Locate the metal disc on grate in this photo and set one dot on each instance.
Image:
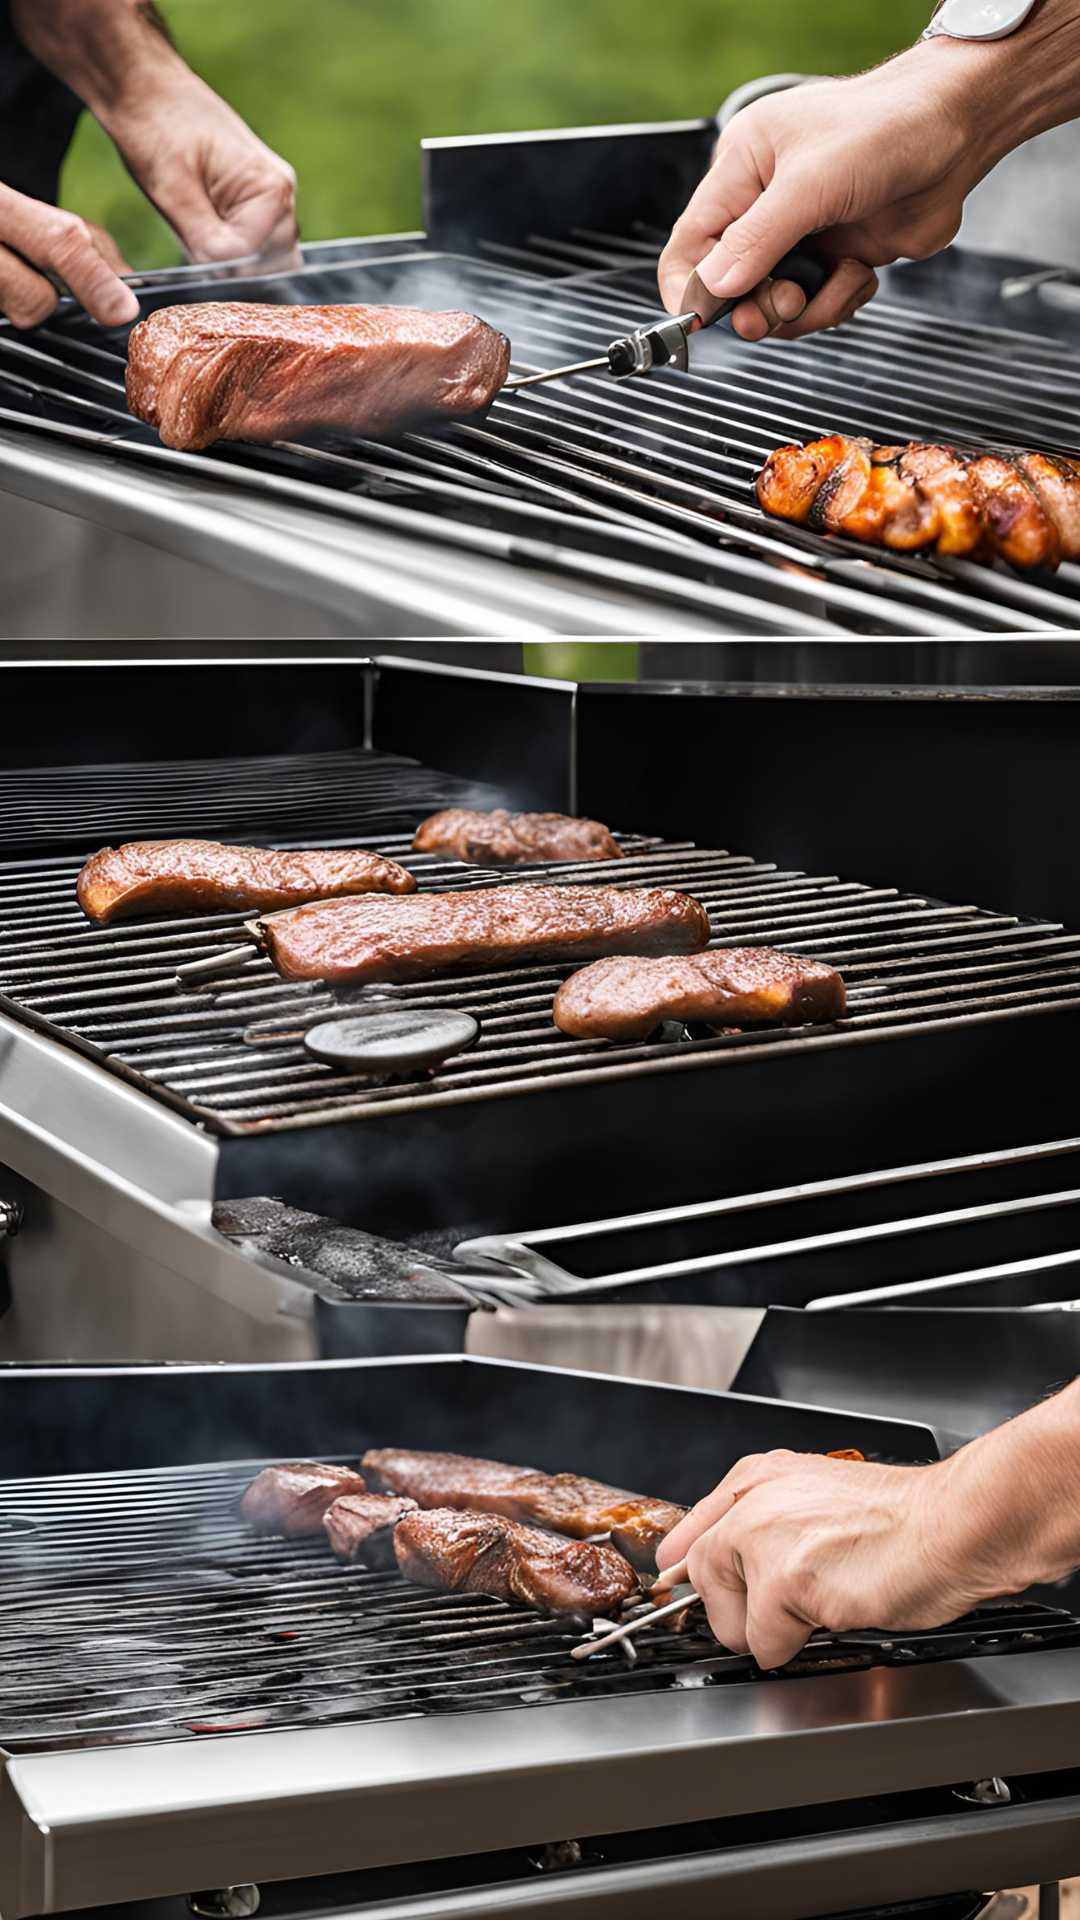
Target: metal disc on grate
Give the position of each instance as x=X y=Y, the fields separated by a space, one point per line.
x=392 y=1042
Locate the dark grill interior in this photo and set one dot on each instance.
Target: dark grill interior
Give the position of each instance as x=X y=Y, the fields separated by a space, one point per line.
x=137 y=1606
x=645 y=486
x=230 y=1053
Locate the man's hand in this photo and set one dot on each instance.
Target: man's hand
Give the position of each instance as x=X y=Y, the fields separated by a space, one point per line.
x=41 y=246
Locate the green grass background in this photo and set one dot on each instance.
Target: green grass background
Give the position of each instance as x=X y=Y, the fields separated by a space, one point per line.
x=346 y=88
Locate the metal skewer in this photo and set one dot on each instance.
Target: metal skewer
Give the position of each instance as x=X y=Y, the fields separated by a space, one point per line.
x=618 y=1634
x=600 y=365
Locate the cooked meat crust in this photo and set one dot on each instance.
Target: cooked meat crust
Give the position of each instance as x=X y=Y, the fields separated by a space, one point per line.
x=229 y=370
x=624 y=999
x=1023 y=508
x=202 y=876
x=360 y=1527
x=379 y=939
x=568 y=1503
x=292 y=1499
x=513 y=839
x=485 y=1553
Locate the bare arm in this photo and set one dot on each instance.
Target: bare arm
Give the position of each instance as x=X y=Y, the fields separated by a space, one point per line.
x=878 y=165
x=789 y=1542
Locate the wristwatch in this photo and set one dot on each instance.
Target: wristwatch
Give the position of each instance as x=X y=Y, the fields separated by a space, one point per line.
x=978 y=19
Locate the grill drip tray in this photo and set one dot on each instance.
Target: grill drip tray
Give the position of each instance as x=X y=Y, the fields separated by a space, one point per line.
x=138 y=1606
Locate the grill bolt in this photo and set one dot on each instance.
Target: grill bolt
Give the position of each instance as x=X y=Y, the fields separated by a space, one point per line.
x=226 y=1903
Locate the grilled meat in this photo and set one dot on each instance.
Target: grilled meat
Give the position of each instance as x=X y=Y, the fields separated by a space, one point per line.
x=201 y=876
x=566 y=1502
x=291 y=1500
x=407 y=939
x=360 y=1265
x=514 y=839
x=485 y=1553
x=1022 y=508
x=624 y=999
x=228 y=370
x=360 y=1527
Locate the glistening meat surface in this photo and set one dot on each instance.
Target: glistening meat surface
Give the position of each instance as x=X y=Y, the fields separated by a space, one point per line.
x=202 y=876
x=624 y=999
x=406 y=939
x=514 y=839
x=292 y=1499
x=227 y=370
x=1023 y=508
x=485 y=1553
x=360 y=1527
x=568 y=1503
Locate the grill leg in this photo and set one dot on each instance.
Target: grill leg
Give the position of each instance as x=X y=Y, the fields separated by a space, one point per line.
x=1050 y=1902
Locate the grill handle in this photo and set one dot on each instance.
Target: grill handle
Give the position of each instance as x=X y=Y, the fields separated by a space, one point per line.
x=11 y=1215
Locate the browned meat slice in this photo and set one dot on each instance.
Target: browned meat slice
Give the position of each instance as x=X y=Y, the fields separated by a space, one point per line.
x=379 y=939
x=566 y=1502
x=227 y=370
x=360 y=1526
x=513 y=839
x=737 y=986
x=292 y=1499
x=1022 y=508
x=485 y=1553
x=201 y=876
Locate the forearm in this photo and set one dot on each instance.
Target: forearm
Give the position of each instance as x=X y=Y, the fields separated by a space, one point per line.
x=110 y=52
x=1006 y=91
x=1008 y=1503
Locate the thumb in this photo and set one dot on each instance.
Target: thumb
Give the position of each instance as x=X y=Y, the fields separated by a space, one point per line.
x=752 y=245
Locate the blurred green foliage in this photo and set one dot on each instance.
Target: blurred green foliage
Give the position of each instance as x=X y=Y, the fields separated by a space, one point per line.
x=346 y=88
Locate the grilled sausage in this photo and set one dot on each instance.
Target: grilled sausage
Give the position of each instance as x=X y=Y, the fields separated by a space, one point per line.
x=407 y=939
x=624 y=999
x=201 y=876
x=291 y=1500
x=360 y=1527
x=514 y=839
x=1022 y=508
x=229 y=370
x=566 y=1502
x=485 y=1553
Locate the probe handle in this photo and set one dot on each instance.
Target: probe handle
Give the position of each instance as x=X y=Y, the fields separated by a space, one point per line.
x=807 y=268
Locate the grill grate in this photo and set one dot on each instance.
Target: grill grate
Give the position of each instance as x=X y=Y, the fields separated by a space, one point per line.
x=644 y=486
x=230 y=1054
x=137 y=1606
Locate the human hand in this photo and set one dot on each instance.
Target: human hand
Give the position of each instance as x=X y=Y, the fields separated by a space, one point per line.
x=41 y=245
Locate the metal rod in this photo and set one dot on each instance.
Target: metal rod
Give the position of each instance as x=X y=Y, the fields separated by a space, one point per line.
x=618 y=1634
x=556 y=373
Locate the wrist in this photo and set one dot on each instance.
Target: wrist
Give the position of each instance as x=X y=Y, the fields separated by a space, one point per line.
x=1008 y=1510
x=1014 y=88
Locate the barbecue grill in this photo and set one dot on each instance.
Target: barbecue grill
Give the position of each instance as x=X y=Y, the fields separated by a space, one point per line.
x=586 y=507
x=248 y=1712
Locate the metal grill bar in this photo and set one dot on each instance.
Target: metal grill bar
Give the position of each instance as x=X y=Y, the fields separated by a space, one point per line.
x=230 y=1053
x=668 y=511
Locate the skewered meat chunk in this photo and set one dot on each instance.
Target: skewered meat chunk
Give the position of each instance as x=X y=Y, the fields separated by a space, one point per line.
x=1023 y=508
x=229 y=370
x=624 y=999
x=202 y=876
x=360 y=1527
x=485 y=1553
x=292 y=1499
x=407 y=939
x=568 y=1503
x=513 y=839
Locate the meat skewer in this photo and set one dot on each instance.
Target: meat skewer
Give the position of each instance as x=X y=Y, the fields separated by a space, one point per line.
x=514 y=839
x=407 y=939
x=360 y=1527
x=486 y=1553
x=292 y=1499
x=232 y=370
x=202 y=876
x=567 y=1503
x=1023 y=508
x=625 y=999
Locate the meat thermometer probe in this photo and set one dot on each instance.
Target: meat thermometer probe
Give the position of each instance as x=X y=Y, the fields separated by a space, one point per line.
x=668 y=343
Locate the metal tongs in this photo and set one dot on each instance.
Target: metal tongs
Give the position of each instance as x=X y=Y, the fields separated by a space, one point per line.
x=602 y=1637
x=667 y=344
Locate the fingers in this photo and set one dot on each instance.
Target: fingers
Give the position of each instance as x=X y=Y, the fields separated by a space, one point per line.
x=261 y=221
x=25 y=296
x=849 y=287
x=750 y=247
x=713 y=1573
x=108 y=248
x=64 y=246
x=774 y=1635
x=747 y=1473
x=730 y=187
x=771 y=306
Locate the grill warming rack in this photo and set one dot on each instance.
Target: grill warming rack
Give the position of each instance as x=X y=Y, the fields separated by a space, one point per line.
x=230 y=1054
x=138 y=1607
x=643 y=486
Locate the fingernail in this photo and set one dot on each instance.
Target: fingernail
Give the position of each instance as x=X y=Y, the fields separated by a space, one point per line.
x=789 y=300
x=723 y=278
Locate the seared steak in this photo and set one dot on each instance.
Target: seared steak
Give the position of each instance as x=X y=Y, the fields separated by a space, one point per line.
x=566 y=1502
x=232 y=371
x=514 y=839
x=407 y=939
x=736 y=987
x=360 y=1527
x=202 y=876
x=292 y=1500
x=484 y=1553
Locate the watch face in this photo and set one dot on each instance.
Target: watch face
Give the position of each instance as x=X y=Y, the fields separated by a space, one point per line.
x=982 y=19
